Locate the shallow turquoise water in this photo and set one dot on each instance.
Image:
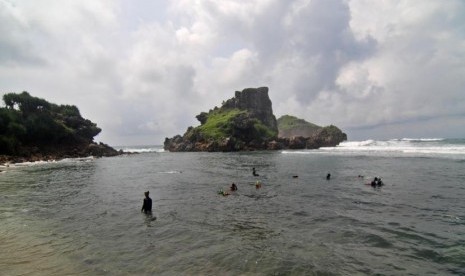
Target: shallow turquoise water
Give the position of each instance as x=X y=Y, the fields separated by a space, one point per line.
x=82 y=217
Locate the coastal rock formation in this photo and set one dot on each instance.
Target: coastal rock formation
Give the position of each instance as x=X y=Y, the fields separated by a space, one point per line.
x=290 y=126
x=303 y=134
x=329 y=136
x=246 y=122
x=257 y=102
x=32 y=129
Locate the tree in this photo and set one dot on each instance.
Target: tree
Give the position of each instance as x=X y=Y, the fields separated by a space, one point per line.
x=28 y=121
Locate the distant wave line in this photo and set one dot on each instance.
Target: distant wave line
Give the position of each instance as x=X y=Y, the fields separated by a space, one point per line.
x=421 y=139
x=141 y=149
x=422 y=146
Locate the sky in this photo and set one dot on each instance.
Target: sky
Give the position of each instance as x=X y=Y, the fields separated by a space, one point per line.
x=142 y=70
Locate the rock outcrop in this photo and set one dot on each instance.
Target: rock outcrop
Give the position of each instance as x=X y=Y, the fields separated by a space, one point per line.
x=303 y=134
x=257 y=102
x=32 y=129
x=290 y=126
x=34 y=154
x=246 y=122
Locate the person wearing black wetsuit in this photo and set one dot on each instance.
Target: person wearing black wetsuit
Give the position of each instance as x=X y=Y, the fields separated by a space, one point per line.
x=254 y=172
x=147 y=206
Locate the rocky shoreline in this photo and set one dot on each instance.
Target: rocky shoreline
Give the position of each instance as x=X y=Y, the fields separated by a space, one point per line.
x=320 y=139
x=58 y=153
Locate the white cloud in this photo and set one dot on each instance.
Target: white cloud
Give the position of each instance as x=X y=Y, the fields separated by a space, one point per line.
x=143 y=72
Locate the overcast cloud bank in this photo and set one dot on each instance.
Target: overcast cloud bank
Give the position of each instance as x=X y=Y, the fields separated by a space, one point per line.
x=143 y=70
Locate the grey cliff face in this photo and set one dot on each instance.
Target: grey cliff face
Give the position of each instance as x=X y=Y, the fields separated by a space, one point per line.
x=257 y=102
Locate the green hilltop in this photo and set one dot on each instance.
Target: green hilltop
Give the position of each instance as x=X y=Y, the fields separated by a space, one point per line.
x=290 y=126
x=33 y=127
x=246 y=122
x=233 y=122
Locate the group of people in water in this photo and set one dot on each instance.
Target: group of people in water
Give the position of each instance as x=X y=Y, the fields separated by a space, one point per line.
x=147 y=204
x=377 y=182
x=233 y=187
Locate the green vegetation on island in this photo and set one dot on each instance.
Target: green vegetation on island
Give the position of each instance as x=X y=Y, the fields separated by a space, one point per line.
x=290 y=126
x=220 y=123
x=246 y=122
x=31 y=127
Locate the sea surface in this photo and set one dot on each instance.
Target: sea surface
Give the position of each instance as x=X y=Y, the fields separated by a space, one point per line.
x=82 y=216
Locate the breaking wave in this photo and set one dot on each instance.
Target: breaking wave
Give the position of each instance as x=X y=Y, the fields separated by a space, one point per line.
x=435 y=147
x=141 y=149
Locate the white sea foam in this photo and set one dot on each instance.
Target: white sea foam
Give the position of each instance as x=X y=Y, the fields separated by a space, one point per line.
x=141 y=149
x=422 y=139
x=171 y=172
x=394 y=147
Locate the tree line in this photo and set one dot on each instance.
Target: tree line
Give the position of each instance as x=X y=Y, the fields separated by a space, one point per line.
x=28 y=121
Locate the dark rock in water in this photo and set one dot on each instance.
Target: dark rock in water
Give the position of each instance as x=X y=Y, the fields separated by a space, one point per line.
x=302 y=134
x=100 y=150
x=246 y=122
x=298 y=142
x=329 y=136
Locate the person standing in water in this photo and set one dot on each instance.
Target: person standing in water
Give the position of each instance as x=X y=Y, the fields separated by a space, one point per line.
x=328 y=176
x=147 y=206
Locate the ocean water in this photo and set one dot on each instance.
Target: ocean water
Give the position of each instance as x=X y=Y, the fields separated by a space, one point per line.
x=82 y=216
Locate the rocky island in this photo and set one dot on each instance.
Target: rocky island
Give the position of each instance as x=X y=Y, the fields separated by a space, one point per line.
x=32 y=129
x=246 y=122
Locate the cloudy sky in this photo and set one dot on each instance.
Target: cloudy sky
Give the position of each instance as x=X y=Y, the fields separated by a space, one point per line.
x=143 y=69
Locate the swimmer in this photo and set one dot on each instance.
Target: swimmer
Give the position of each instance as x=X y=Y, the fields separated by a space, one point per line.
x=233 y=187
x=258 y=185
x=223 y=193
x=295 y=176
x=254 y=173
